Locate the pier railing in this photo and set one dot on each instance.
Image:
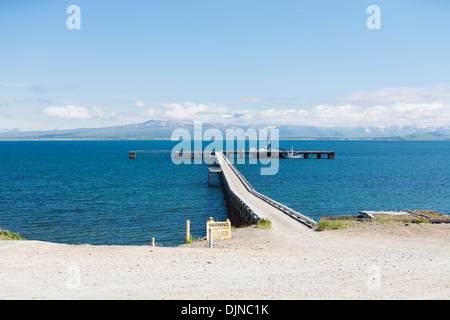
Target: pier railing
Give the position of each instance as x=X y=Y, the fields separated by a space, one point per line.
x=240 y=209
x=291 y=212
x=239 y=212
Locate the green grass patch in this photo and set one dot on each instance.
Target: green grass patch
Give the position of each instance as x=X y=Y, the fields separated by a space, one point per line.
x=400 y=219
x=192 y=239
x=7 y=235
x=329 y=224
x=264 y=224
x=389 y=220
x=343 y=223
x=421 y=220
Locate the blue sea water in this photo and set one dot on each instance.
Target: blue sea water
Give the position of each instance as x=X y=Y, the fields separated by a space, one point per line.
x=366 y=175
x=90 y=192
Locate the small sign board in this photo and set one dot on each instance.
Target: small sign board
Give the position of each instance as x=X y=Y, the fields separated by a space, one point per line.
x=221 y=230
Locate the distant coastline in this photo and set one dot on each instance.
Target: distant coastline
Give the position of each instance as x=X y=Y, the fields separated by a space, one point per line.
x=163 y=130
x=169 y=139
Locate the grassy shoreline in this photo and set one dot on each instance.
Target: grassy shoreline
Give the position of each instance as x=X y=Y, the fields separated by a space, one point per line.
x=330 y=224
x=8 y=235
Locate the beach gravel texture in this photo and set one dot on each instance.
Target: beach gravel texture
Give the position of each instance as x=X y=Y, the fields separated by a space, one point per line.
x=285 y=262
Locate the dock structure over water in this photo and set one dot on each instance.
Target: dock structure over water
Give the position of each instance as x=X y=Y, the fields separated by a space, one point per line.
x=257 y=154
x=132 y=154
x=246 y=205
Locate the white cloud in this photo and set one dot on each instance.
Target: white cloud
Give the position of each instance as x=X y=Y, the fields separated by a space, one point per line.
x=400 y=113
x=386 y=106
x=98 y=112
x=77 y=112
x=436 y=113
x=152 y=113
x=193 y=111
x=68 y=112
x=389 y=106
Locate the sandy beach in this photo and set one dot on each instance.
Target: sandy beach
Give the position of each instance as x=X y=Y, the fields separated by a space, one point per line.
x=364 y=262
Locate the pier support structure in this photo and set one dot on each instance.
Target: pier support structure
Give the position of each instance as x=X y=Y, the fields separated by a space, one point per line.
x=245 y=205
x=239 y=212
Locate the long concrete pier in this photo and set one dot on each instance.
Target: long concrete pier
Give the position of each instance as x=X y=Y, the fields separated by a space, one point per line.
x=246 y=205
x=256 y=154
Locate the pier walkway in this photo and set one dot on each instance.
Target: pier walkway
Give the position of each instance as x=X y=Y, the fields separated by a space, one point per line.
x=256 y=154
x=246 y=205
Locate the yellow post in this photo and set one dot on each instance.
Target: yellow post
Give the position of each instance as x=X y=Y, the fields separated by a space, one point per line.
x=188 y=231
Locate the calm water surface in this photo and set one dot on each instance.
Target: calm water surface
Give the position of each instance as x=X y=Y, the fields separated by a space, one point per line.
x=90 y=192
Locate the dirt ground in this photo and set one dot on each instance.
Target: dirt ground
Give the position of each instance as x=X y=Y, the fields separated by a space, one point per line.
x=365 y=262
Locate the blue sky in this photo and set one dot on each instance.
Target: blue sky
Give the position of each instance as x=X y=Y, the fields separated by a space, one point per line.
x=242 y=61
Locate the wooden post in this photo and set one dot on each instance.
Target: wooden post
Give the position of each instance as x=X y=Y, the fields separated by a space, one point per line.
x=188 y=231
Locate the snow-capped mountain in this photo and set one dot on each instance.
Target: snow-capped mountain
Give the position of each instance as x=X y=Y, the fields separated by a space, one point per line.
x=412 y=132
x=164 y=129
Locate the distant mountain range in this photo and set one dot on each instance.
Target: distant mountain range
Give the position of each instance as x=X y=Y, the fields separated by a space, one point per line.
x=159 y=129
